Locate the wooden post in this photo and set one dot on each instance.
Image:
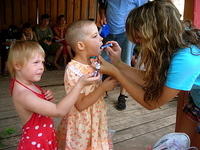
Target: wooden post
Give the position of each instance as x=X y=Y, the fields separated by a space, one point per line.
x=182 y=99
x=186 y=124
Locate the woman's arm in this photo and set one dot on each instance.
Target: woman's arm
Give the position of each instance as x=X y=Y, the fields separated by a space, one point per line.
x=131 y=73
x=132 y=80
x=137 y=92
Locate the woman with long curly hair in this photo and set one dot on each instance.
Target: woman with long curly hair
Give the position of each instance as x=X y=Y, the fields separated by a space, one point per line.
x=170 y=53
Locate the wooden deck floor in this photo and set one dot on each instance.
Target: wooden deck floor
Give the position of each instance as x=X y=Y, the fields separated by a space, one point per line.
x=135 y=128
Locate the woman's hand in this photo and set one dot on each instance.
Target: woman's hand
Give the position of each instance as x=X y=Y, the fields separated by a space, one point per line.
x=114 y=52
x=106 y=67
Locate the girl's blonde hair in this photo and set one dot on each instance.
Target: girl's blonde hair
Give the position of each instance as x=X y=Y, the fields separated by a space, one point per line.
x=157 y=28
x=20 y=52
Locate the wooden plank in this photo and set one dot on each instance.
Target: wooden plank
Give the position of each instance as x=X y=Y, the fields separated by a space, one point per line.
x=24 y=10
x=77 y=9
x=70 y=11
x=33 y=11
x=6 y=107
x=10 y=122
x=92 y=9
x=8 y=12
x=41 y=7
x=17 y=128
x=17 y=12
x=97 y=17
x=128 y=122
x=143 y=141
x=61 y=7
x=84 y=9
x=53 y=11
x=144 y=128
x=2 y=12
x=10 y=143
x=189 y=10
x=48 y=7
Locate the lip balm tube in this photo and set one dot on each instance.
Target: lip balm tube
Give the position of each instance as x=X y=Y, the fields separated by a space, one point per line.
x=94 y=61
x=106 y=45
x=95 y=73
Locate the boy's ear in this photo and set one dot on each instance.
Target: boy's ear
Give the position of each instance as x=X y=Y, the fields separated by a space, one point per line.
x=17 y=66
x=80 y=45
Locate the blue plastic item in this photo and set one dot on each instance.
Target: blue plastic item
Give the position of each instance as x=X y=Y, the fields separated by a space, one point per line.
x=104 y=31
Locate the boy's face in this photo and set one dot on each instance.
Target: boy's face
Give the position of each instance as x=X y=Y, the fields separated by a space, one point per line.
x=33 y=69
x=62 y=21
x=27 y=31
x=45 y=22
x=92 y=40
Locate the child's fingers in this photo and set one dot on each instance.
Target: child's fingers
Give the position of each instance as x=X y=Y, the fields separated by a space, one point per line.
x=114 y=43
x=114 y=82
x=49 y=97
x=49 y=94
x=46 y=92
x=110 y=79
x=94 y=78
x=89 y=79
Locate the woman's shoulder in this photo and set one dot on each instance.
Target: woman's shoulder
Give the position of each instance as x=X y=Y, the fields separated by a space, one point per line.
x=184 y=68
x=186 y=60
x=191 y=50
x=187 y=54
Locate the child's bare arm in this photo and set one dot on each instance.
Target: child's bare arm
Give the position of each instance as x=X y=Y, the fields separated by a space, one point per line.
x=86 y=101
x=33 y=103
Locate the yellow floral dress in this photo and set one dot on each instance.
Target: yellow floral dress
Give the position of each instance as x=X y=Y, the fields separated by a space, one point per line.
x=86 y=130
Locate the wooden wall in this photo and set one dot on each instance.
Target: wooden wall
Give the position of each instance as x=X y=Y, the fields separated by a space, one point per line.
x=189 y=10
x=18 y=12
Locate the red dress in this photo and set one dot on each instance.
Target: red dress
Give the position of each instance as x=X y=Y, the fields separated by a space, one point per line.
x=60 y=32
x=38 y=133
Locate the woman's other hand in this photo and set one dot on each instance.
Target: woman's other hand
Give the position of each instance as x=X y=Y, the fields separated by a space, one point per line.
x=106 y=67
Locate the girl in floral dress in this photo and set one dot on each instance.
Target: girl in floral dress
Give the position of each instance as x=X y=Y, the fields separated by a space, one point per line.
x=85 y=126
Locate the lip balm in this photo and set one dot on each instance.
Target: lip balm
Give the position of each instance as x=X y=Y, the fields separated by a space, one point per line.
x=106 y=45
x=94 y=61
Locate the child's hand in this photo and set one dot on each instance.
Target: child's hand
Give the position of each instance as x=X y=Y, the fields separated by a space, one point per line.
x=47 y=42
x=49 y=95
x=88 y=79
x=109 y=83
